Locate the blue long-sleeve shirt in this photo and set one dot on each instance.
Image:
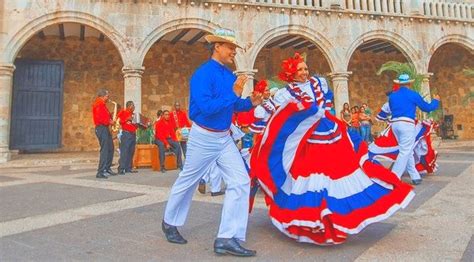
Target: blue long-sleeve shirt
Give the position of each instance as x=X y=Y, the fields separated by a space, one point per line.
x=404 y=101
x=213 y=100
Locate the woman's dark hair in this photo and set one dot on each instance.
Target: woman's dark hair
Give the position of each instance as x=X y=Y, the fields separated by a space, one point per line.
x=159 y=113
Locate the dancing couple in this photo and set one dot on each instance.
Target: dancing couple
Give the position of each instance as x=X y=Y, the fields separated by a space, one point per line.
x=318 y=184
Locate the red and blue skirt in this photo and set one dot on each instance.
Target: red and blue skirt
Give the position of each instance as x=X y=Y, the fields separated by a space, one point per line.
x=318 y=187
x=385 y=147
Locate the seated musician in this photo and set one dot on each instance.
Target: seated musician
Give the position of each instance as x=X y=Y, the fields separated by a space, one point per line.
x=165 y=139
x=182 y=125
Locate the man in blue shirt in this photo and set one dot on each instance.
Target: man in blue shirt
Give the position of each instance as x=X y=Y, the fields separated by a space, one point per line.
x=215 y=96
x=403 y=103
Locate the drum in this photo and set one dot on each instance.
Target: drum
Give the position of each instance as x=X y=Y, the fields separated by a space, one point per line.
x=184 y=133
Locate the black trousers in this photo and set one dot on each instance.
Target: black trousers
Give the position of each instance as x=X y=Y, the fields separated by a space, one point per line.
x=183 y=147
x=106 y=148
x=175 y=147
x=127 y=149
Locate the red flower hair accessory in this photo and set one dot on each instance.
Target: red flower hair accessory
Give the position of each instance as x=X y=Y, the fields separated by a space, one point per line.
x=289 y=67
x=260 y=87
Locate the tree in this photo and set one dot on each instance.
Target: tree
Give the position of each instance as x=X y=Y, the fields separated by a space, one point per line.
x=403 y=68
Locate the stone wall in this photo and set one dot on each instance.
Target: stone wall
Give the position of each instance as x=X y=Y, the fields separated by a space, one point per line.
x=91 y=64
x=168 y=69
x=454 y=87
x=269 y=60
x=365 y=86
x=88 y=65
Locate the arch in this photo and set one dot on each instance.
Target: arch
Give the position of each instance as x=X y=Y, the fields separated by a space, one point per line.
x=401 y=43
x=317 y=38
x=462 y=40
x=169 y=27
x=21 y=37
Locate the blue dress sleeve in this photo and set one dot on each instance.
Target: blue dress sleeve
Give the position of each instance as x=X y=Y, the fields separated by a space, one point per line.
x=329 y=98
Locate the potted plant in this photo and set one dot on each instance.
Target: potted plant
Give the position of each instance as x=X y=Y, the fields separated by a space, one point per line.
x=146 y=153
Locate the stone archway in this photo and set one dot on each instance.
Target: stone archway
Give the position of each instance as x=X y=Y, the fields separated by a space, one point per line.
x=26 y=32
x=169 y=27
x=169 y=65
x=91 y=61
x=373 y=50
x=325 y=47
x=402 y=44
x=268 y=60
x=448 y=63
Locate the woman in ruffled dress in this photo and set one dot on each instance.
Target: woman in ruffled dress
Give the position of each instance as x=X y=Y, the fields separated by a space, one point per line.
x=318 y=185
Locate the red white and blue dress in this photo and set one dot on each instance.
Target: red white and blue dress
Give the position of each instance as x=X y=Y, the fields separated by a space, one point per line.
x=317 y=186
x=386 y=147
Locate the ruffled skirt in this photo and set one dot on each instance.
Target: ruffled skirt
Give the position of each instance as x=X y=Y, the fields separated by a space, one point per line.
x=318 y=187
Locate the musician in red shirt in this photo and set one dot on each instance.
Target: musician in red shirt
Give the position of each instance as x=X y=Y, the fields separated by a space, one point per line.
x=165 y=138
x=181 y=121
x=102 y=120
x=128 y=139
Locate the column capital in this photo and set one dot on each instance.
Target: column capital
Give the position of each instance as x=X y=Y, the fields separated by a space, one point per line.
x=248 y=72
x=426 y=76
x=7 y=69
x=132 y=72
x=340 y=75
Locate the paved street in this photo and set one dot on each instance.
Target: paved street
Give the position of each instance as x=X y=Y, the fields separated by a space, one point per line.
x=53 y=209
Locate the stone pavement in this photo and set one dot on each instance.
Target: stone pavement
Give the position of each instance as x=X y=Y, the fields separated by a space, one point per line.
x=53 y=209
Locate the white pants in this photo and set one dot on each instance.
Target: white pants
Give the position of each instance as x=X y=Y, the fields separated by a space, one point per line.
x=205 y=148
x=214 y=177
x=405 y=133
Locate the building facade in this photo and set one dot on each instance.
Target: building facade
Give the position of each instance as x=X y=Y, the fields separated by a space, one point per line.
x=55 y=54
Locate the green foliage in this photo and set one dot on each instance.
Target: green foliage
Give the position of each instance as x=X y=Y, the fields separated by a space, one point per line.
x=467 y=99
x=404 y=68
x=276 y=82
x=469 y=72
x=145 y=135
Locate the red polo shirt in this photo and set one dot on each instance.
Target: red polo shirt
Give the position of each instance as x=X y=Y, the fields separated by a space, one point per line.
x=165 y=129
x=125 y=119
x=180 y=118
x=100 y=113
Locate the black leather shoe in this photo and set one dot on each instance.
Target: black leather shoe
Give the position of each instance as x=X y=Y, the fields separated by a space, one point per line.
x=121 y=172
x=202 y=186
x=101 y=175
x=110 y=172
x=131 y=171
x=231 y=246
x=416 y=181
x=217 y=193
x=163 y=170
x=172 y=234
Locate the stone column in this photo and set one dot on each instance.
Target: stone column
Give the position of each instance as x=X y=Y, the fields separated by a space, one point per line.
x=425 y=86
x=6 y=91
x=133 y=86
x=340 y=83
x=425 y=93
x=250 y=73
